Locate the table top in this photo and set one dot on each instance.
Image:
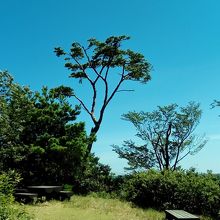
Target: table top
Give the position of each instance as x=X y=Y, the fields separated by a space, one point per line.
x=181 y=214
x=47 y=189
x=44 y=187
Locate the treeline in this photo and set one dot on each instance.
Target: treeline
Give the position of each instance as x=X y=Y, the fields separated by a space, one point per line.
x=41 y=141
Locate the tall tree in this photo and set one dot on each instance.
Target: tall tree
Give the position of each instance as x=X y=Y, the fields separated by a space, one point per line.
x=104 y=66
x=168 y=134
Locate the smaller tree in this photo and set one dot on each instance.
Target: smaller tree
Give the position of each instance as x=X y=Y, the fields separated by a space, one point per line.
x=168 y=133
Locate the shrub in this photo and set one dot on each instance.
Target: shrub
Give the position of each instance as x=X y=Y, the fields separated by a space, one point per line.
x=95 y=177
x=188 y=190
x=7 y=208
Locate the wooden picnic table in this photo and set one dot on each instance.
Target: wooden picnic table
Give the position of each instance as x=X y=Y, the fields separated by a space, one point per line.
x=180 y=214
x=46 y=190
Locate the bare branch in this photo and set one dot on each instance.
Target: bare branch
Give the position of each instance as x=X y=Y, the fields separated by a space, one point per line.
x=159 y=159
x=87 y=56
x=108 y=67
x=108 y=99
x=93 y=83
x=97 y=73
x=117 y=87
x=86 y=109
x=126 y=90
x=182 y=157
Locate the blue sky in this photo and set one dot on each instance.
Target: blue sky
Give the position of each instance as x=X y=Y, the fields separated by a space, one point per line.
x=180 y=38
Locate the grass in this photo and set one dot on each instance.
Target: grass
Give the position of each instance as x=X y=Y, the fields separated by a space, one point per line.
x=92 y=208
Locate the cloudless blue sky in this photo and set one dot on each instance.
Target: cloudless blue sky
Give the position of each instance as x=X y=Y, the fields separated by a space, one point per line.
x=181 y=39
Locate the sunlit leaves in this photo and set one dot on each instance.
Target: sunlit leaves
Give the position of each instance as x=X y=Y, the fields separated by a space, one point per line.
x=139 y=157
x=59 y=52
x=76 y=51
x=107 y=54
x=137 y=67
x=62 y=92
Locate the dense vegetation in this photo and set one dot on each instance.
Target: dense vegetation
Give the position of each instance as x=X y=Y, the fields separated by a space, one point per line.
x=187 y=190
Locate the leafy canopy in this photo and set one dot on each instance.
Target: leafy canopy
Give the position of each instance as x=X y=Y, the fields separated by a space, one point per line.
x=105 y=55
x=96 y=64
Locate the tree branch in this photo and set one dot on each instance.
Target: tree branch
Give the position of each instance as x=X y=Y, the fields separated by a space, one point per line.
x=86 y=109
x=106 y=98
x=181 y=158
x=87 y=56
x=155 y=146
x=93 y=83
x=178 y=151
x=117 y=87
x=126 y=90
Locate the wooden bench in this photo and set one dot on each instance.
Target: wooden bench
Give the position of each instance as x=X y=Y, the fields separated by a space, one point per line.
x=21 y=190
x=64 y=195
x=26 y=197
x=179 y=214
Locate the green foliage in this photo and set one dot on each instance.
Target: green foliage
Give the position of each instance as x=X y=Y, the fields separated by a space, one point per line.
x=37 y=134
x=168 y=134
x=105 y=54
x=188 y=190
x=15 y=102
x=95 y=177
x=7 y=208
x=58 y=145
x=8 y=181
x=139 y=157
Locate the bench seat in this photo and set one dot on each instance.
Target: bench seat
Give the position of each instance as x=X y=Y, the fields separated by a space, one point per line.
x=26 y=197
x=180 y=214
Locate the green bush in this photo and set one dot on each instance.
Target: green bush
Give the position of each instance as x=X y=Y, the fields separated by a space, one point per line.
x=94 y=177
x=188 y=190
x=8 y=210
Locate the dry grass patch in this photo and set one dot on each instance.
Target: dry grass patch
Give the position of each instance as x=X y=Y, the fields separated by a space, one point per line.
x=91 y=208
